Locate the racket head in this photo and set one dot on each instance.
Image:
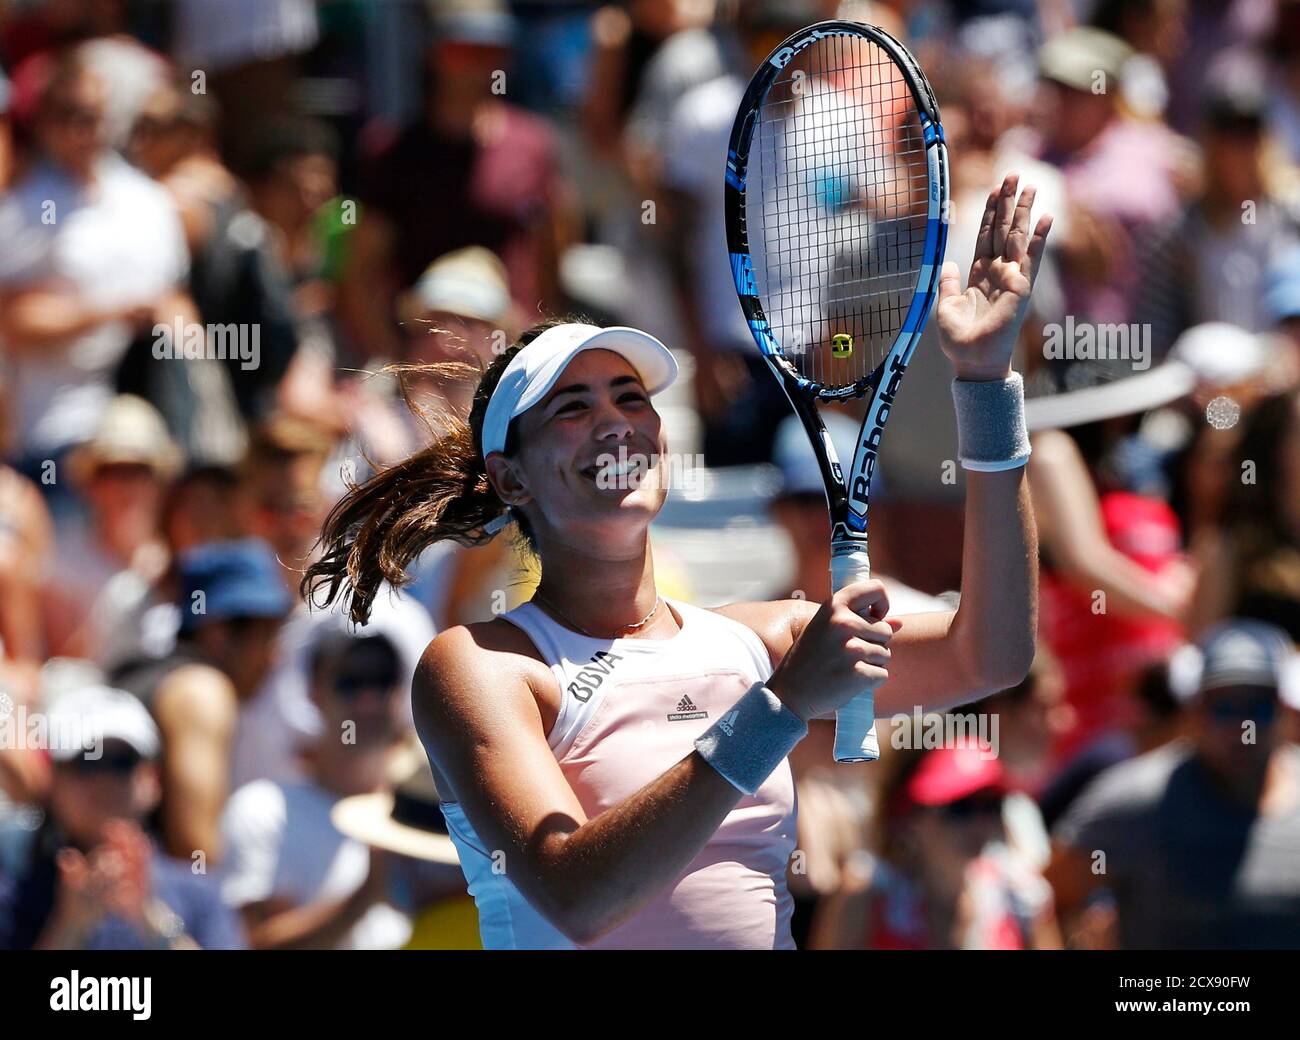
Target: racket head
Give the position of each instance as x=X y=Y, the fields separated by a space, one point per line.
x=836 y=214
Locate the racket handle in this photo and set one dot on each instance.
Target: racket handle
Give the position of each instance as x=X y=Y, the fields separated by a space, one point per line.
x=855 y=723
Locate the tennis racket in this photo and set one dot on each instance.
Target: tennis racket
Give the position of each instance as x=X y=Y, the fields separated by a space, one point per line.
x=836 y=208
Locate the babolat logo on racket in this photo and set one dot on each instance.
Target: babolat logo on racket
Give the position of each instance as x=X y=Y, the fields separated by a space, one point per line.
x=880 y=406
x=782 y=57
x=589 y=679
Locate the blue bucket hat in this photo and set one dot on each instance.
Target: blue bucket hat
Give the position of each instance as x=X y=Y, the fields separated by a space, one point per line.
x=231 y=579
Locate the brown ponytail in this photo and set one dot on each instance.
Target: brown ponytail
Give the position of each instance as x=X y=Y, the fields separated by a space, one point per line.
x=380 y=527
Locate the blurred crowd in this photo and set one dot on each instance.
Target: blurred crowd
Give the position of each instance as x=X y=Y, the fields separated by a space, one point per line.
x=224 y=222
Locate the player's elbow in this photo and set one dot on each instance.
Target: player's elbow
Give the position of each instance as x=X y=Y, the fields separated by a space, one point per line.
x=578 y=916
x=995 y=665
x=579 y=928
x=1011 y=663
x=581 y=902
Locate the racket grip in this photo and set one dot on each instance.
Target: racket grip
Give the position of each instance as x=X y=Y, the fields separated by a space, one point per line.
x=855 y=723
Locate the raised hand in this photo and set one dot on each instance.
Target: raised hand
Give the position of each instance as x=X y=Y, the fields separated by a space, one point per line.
x=978 y=327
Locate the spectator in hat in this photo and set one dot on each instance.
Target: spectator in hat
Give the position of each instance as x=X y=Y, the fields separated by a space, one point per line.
x=282 y=499
x=295 y=878
x=94 y=257
x=232 y=603
x=1154 y=719
x=90 y=877
x=454 y=319
x=103 y=571
x=406 y=820
x=1157 y=32
x=459 y=311
x=1123 y=176
x=472 y=170
x=1210 y=262
x=943 y=875
x=1197 y=841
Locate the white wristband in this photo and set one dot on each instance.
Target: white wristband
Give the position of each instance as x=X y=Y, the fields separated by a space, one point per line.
x=991 y=434
x=751 y=739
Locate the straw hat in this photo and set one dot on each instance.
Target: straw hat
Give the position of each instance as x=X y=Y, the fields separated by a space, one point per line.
x=1207 y=357
x=470 y=282
x=130 y=431
x=406 y=820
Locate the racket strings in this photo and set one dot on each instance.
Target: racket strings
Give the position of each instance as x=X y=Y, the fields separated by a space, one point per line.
x=837 y=208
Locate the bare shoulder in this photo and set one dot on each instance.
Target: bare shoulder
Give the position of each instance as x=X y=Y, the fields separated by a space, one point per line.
x=776 y=622
x=470 y=657
x=476 y=685
x=196 y=697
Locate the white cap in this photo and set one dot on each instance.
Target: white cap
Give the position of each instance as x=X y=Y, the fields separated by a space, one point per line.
x=534 y=370
x=1222 y=354
x=82 y=719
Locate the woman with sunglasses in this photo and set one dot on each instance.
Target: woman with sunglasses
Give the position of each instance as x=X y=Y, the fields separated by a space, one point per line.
x=91 y=877
x=614 y=763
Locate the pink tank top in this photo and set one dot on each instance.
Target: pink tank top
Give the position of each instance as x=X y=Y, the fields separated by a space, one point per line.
x=629 y=710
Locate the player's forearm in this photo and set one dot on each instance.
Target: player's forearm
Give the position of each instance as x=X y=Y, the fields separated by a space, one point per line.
x=996 y=623
x=600 y=874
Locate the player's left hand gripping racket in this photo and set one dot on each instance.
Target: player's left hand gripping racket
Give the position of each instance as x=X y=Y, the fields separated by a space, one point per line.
x=836 y=203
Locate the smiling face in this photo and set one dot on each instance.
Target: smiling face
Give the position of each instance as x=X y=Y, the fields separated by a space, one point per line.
x=591 y=453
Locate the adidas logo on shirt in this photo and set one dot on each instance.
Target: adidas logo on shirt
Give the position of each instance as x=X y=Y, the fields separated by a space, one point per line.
x=686 y=710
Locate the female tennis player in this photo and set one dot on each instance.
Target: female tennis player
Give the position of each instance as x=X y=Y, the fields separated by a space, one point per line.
x=613 y=763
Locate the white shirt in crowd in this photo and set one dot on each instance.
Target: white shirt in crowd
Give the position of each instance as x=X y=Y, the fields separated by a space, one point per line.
x=280 y=843
x=117 y=242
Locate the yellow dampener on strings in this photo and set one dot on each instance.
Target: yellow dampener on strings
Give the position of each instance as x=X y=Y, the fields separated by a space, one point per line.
x=842 y=345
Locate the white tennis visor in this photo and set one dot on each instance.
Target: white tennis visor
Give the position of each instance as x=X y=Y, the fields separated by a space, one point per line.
x=534 y=370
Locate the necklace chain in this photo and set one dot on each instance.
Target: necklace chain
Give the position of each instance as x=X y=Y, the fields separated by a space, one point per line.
x=625 y=628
